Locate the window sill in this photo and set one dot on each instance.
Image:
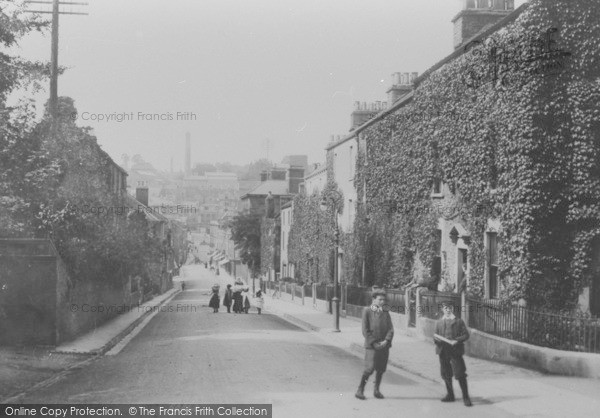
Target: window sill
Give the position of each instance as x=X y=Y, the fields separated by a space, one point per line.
x=437 y=195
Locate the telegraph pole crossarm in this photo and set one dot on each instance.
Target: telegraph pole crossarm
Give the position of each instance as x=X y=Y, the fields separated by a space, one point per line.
x=55 y=12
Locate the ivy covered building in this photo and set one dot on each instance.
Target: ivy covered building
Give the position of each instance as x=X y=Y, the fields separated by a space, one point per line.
x=484 y=175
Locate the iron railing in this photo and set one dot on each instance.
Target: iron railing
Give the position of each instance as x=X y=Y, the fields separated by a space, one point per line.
x=545 y=329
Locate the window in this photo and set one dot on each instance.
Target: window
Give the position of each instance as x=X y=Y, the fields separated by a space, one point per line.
x=284 y=243
x=437 y=188
x=492 y=265
x=351 y=162
x=436 y=267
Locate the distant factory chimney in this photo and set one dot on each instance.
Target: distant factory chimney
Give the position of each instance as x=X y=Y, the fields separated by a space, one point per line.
x=188 y=154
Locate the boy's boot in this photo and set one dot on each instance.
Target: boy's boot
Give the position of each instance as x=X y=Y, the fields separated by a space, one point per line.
x=360 y=393
x=376 y=391
x=465 y=391
x=450 y=396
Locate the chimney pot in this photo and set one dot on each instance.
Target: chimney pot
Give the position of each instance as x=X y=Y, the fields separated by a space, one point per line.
x=397 y=79
x=413 y=77
x=356 y=105
x=384 y=105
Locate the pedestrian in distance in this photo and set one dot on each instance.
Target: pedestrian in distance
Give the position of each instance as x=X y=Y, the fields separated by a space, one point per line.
x=214 y=300
x=238 y=300
x=378 y=331
x=228 y=298
x=182 y=285
x=246 y=297
x=259 y=301
x=450 y=335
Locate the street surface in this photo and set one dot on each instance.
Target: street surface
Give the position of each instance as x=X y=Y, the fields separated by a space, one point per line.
x=188 y=354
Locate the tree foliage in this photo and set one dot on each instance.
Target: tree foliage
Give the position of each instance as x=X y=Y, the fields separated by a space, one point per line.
x=54 y=184
x=246 y=234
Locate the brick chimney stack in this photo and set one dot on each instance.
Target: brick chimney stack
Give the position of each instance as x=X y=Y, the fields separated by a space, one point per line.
x=295 y=177
x=141 y=193
x=401 y=85
x=363 y=112
x=476 y=15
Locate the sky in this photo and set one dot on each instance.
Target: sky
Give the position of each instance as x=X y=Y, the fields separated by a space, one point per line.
x=249 y=78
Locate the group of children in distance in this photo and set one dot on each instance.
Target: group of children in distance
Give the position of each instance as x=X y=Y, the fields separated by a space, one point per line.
x=238 y=296
x=450 y=335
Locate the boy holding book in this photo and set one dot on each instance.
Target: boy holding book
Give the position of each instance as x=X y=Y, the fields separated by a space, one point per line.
x=450 y=335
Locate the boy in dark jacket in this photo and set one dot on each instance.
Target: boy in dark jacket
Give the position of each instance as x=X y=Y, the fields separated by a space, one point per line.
x=378 y=331
x=450 y=335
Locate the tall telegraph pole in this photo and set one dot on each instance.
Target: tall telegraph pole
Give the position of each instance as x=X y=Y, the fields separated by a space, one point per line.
x=55 y=12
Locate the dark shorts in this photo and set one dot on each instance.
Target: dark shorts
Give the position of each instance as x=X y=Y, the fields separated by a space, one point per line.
x=376 y=360
x=452 y=365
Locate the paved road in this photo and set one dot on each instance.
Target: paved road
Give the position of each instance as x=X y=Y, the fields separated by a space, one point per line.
x=187 y=354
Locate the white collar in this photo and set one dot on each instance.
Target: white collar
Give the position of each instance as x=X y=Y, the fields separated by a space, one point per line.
x=451 y=316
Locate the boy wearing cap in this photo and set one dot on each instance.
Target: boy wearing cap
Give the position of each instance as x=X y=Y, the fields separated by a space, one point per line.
x=378 y=331
x=450 y=335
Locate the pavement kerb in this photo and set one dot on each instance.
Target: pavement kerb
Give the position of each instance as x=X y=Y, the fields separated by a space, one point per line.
x=352 y=347
x=359 y=349
x=115 y=340
x=301 y=323
x=50 y=381
x=95 y=354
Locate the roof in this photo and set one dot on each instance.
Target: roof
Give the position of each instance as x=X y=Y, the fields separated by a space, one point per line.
x=151 y=215
x=111 y=161
x=214 y=176
x=404 y=100
x=484 y=33
x=321 y=168
x=276 y=187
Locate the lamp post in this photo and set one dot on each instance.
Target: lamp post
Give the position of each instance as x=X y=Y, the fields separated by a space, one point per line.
x=334 y=196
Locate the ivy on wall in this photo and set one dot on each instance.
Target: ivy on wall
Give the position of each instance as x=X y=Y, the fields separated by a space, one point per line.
x=312 y=234
x=269 y=244
x=514 y=138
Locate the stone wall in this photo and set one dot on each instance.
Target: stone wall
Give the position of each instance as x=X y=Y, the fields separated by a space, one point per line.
x=40 y=304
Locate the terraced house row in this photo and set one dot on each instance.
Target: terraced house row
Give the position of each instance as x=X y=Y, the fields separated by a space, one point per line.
x=478 y=179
